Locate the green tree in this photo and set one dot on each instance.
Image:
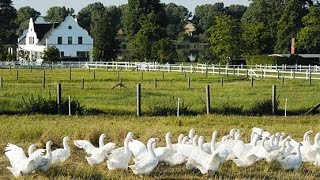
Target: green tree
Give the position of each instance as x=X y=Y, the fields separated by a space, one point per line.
x=225 y=38
x=308 y=39
x=105 y=44
x=23 y=16
x=51 y=54
x=266 y=13
x=254 y=37
x=177 y=18
x=164 y=51
x=236 y=11
x=289 y=25
x=205 y=15
x=137 y=10
x=58 y=14
x=7 y=22
x=85 y=14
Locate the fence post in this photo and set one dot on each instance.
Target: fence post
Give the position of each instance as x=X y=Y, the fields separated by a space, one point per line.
x=251 y=81
x=185 y=75
x=274 y=99
x=10 y=68
x=262 y=73
x=94 y=75
x=278 y=74
x=58 y=97
x=70 y=73
x=82 y=83
x=162 y=75
x=141 y=75
x=44 y=80
x=69 y=104
x=138 y=100
x=285 y=107
x=118 y=75
x=282 y=80
x=155 y=83
x=189 y=83
x=30 y=68
x=221 y=81
x=17 y=75
x=310 y=78
x=178 y=108
x=1 y=82
x=208 y=99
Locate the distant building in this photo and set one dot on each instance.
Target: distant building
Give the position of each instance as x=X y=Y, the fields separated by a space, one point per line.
x=68 y=37
x=189 y=28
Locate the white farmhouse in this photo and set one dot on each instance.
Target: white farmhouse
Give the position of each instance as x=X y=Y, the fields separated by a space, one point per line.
x=68 y=37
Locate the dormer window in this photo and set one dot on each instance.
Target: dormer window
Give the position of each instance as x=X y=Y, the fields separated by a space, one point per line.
x=31 y=40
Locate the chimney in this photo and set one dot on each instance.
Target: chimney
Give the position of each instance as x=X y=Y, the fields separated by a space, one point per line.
x=292 y=51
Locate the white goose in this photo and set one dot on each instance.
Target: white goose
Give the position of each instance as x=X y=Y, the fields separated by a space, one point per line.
x=317 y=161
x=205 y=162
x=137 y=148
x=311 y=152
x=20 y=163
x=120 y=157
x=149 y=161
x=61 y=154
x=210 y=147
x=164 y=154
x=191 y=135
x=292 y=161
x=43 y=162
x=99 y=154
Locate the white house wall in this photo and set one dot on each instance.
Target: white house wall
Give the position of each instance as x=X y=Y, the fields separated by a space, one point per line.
x=76 y=31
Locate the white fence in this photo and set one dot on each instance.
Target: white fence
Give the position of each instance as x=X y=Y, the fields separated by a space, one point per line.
x=256 y=71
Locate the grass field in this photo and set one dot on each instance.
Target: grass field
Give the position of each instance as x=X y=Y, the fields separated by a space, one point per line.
x=119 y=118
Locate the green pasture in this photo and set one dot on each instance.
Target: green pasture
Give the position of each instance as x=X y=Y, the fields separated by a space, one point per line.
x=98 y=93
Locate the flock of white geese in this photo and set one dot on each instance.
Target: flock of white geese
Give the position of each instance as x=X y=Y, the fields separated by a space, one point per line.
x=190 y=150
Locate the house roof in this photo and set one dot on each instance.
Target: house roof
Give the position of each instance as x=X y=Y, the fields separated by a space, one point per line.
x=41 y=30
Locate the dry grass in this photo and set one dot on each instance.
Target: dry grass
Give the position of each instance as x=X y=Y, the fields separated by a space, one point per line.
x=24 y=130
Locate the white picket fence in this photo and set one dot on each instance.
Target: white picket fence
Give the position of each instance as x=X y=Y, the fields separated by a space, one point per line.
x=256 y=71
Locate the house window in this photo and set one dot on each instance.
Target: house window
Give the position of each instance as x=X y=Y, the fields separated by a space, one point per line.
x=83 y=54
x=69 y=40
x=59 y=40
x=61 y=53
x=79 y=40
x=31 y=40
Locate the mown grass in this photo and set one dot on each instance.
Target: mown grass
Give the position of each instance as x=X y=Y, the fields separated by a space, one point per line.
x=236 y=93
x=24 y=130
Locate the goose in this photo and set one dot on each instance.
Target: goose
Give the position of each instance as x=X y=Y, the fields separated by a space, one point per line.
x=292 y=161
x=210 y=147
x=87 y=146
x=20 y=163
x=43 y=162
x=149 y=161
x=191 y=135
x=317 y=161
x=137 y=148
x=120 y=157
x=272 y=155
x=311 y=152
x=33 y=149
x=164 y=154
x=99 y=154
x=61 y=154
x=186 y=149
x=205 y=162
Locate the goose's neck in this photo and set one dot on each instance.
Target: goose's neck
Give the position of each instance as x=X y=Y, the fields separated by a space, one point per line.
x=283 y=145
x=252 y=138
x=168 y=142
x=31 y=149
x=316 y=139
x=101 y=143
x=255 y=141
x=306 y=136
x=151 y=149
x=271 y=140
x=126 y=145
x=180 y=139
x=65 y=145
x=48 y=149
x=298 y=150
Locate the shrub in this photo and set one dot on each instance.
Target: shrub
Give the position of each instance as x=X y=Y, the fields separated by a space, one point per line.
x=263 y=107
x=168 y=107
x=41 y=105
x=228 y=110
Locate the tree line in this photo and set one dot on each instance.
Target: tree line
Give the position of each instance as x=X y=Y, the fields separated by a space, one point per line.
x=153 y=31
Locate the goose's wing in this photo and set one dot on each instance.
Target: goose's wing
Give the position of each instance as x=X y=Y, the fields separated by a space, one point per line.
x=185 y=149
x=109 y=146
x=84 y=144
x=199 y=156
x=137 y=148
x=15 y=154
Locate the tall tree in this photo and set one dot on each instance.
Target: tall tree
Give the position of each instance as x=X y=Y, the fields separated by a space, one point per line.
x=115 y=16
x=225 y=38
x=236 y=11
x=308 y=39
x=205 y=15
x=290 y=23
x=58 y=14
x=177 y=18
x=267 y=13
x=136 y=10
x=85 y=14
x=105 y=44
x=8 y=15
x=23 y=16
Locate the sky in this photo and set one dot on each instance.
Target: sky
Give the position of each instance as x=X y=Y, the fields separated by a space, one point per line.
x=43 y=5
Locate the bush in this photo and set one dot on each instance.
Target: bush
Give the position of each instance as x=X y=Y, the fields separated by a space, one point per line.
x=263 y=107
x=229 y=110
x=168 y=107
x=41 y=105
